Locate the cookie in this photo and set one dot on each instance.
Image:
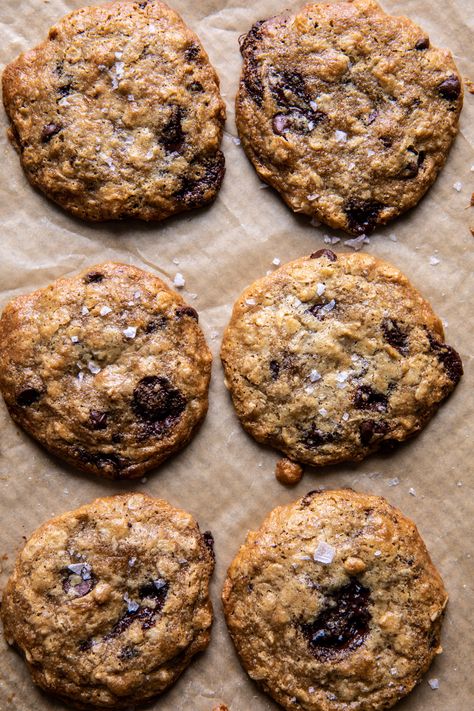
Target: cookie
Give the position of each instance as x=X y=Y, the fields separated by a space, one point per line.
x=118 y=113
x=334 y=603
x=347 y=112
x=332 y=356
x=109 y=603
x=108 y=369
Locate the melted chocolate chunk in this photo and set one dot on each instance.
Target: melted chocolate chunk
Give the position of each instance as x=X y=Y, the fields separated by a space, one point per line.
x=85 y=645
x=191 y=52
x=274 y=369
x=296 y=113
x=82 y=570
x=306 y=500
x=196 y=87
x=394 y=335
x=196 y=192
x=93 y=278
x=422 y=43
x=65 y=90
x=209 y=541
x=182 y=311
x=28 y=396
x=343 y=625
x=155 y=399
x=172 y=136
x=249 y=47
x=156 y=324
x=128 y=652
x=371 y=429
x=412 y=166
x=386 y=141
x=450 y=88
x=102 y=460
x=448 y=357
x=315 y=437
x=366 y=398
x=156 y=590
x=98 y=419
x=324 y=253
x=49 y=131
x=362 y=215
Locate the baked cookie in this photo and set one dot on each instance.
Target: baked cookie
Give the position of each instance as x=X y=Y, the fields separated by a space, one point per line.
x=348 y=112
x=109 y=603
x=107 y=369
x=118 y=113
x=334 y=603
x=332 y=356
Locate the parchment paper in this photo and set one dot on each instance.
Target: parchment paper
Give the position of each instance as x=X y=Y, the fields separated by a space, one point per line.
x=223 y=477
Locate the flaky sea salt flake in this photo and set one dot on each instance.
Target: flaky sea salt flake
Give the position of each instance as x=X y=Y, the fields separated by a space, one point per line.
x=434 y=683
x=320 y=288
x=324 y=553
x=356 y=243
x=93 y=367
x=341 y=136
x=276 y=261
x=323 y=412
x=412 y=491
x=130 y=332
x=105 y=310
x=434 y=260
x=314 y=376
x=457 y=186
x=250 y=302
x=179 y=280
x=84 y=311
x=74 y=339
x=393 y=482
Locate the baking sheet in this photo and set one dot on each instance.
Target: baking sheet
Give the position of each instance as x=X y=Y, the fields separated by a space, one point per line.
x=223 y=477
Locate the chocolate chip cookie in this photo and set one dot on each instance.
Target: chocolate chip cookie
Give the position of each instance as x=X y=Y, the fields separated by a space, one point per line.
x=107 y=369
x=118 y=113
x=332 y=356
x=334 y=603
x=348 y=112
x=109 y=603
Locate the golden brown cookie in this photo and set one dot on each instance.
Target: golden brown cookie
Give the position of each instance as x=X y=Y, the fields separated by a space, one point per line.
x=348 y=112
x=334 y=603
x=332 y=356
x=109 y=603
x=118 y=113
x=108 y=369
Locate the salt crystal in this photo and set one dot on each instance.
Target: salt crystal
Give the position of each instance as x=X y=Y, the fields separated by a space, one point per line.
x=370 y=152
x=93 y=367
x=309 y=390
x=175 y=260
x=313 y=105
x=151 y=28
x=130 y=97
x=351 y=166
x=137 y=294
x=377 y=554
x=327 y=239
x=434 y=683
x=159 y=584
x=236 y=141
x=132 y=605
x=311 y=690
x=394 y=671
x=76 y=568
x=130 y=332
x=341 y=136
x=320 y=288
x=80 y=376
x=393 y=482
x=250 y=302
x=314 y=376
x=345 y=416
x=314 y=221
x=323 y=412
x=132 y=562
x=214 y=334
x=179 y=280
x=356 y=243
x=105 y=310
x=119 y=69
x=324 y=553
x=327 y=307
x=118 y=55
x=84 y=311
x=263 y=186
x=412 y=491
x=74 y=339
x=276 y=261
x=459 y=483
x=63 y=102
x=342 y=376
x=393 y=237
x=434 y=260
x=335 y=240
x=457 y=186
x=312 y=197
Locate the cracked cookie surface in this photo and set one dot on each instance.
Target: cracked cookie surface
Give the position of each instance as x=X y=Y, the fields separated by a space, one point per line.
x=332 y=356
x=118 y=113
x=334 y=603
x=109 y=603
x=108 y=369
x=347 y=112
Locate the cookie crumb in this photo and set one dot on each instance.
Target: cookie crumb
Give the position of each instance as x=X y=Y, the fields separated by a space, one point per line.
x=288 y=472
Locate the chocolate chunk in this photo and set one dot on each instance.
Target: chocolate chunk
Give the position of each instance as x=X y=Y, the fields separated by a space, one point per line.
x=324 y=253
x=182 y=311
x=209 y=541
x=117 y=437
x=191 y=52
x=289 y=89
x=93 y=278
x=249 y=47
x=274 y=369
x=156 y=590
x=50 y=130
x=155 y=399
x=450 y=88
x=306 y=500
x=422 y=43
x=315 y=437
x=362 y=215
x=371 y=429
x=102 y=460
x=172 y=136
x=386 y=141
x=82 y=570
x=156 y=324
x=85 y=645
x=394 y=335
x=195 y=192
x=343 y=624
x=368 y=399
x=28 y=396
x=98 y=419
x=412 y=166
x=448 y=357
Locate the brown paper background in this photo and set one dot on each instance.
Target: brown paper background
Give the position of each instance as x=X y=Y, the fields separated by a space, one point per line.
x=223 y=477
